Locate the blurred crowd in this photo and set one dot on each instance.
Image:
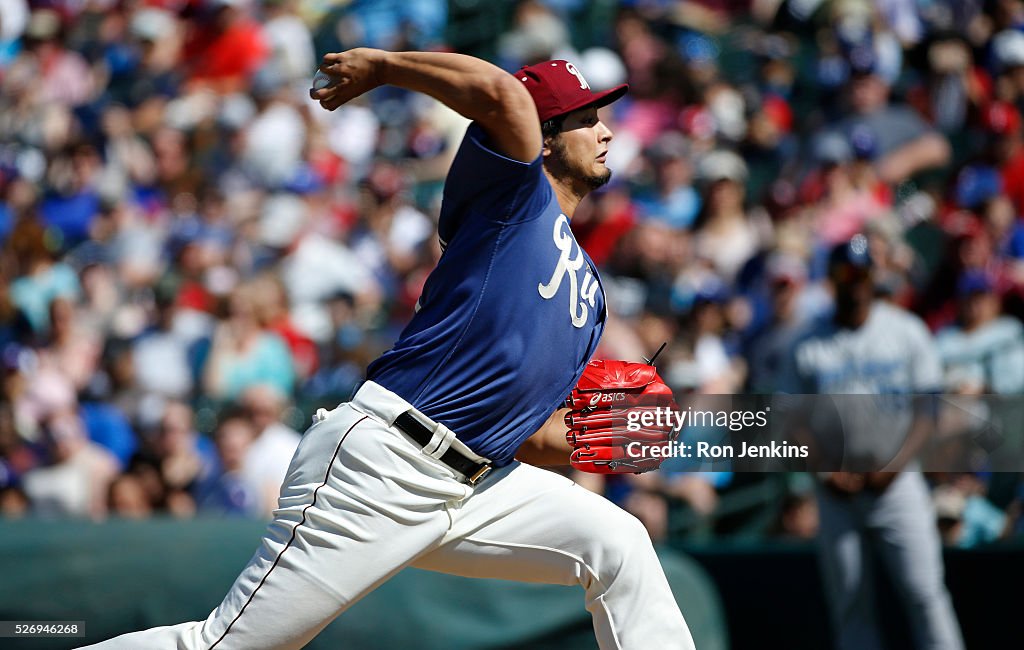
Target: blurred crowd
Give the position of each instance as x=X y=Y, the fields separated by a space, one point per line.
x=195 y=256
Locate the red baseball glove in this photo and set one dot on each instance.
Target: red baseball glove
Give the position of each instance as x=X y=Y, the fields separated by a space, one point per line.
x=613 y=420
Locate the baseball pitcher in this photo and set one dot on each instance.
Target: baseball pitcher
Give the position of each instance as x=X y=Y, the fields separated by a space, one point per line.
x=420 y=468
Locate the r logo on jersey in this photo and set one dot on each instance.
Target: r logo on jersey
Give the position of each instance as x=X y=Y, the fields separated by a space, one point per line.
x=582 y=293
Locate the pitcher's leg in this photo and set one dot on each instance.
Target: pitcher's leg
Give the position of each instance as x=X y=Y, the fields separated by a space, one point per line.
x=335 y=538
x=537 y=526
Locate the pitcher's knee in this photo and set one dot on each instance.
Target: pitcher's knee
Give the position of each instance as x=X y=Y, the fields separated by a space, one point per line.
x=624 y=544
x=633 y=530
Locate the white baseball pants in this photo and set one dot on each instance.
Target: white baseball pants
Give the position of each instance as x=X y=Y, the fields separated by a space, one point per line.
x=362 y=501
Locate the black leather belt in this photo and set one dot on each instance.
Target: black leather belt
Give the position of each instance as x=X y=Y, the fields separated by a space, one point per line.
x=472 y=470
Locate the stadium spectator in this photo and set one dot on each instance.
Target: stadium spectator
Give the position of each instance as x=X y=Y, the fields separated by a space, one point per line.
x=186 y=460
x=766 y=351
x=272 y=309
x=72 y=346
x=289 y=39
x=77 y=473
x=966 y=518
x=229 y=492
x=984 y=351
x=724 y=234
x=672 y=198
x=273 y=139
x=60 y=76
x=16 y=458
x=904 y=144
x=721 y=371
x=897 y=267
x=14 y=504
x=160 y=356
x=389 y=233
x=224 y=29
x=1002 y=123
x=342 y=354
x=243 y=354
x=128 y=499
x=273 y=444
x=108 y=427
x=845 y=205
x=41 y=275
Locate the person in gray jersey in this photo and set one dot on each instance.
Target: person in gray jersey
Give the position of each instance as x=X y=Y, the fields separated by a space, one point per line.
x=869 y=352
x=984 y=351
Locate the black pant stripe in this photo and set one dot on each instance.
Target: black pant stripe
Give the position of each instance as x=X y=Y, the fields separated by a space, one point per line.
x=292 y=538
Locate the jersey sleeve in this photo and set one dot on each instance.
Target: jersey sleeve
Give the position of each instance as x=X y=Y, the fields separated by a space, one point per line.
x=485 y=184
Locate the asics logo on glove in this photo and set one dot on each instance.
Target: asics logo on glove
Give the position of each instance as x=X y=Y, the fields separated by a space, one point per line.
x=610 y=398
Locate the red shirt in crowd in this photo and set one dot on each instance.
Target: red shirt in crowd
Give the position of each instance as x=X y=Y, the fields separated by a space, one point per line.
x=226 y=55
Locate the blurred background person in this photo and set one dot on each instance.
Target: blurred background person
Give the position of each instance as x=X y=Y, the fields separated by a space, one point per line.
x=242 y=353
x=76 y=474
x=267 y=456
x=229 y=491
x=879 y=501
x=984 y=351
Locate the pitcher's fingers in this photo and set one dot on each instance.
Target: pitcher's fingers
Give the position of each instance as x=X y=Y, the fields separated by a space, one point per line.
x=328 y=68
x=331 y=103
x=331 y=58
x=321 y=93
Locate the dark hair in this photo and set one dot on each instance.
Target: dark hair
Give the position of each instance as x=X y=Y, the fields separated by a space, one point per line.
x=552 y=127
x=230 y=413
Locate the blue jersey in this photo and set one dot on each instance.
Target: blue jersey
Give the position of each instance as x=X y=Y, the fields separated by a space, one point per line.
x=510 y=316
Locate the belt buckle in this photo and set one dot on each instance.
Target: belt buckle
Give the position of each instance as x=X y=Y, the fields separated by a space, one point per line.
x=479 y=475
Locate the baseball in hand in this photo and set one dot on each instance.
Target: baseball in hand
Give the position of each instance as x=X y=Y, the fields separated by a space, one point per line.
x=323 y=80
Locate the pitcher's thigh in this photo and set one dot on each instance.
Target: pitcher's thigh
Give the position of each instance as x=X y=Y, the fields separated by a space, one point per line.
x=534 y=525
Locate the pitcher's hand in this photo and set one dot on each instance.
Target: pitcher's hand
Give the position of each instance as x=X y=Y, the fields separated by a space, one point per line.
x=354 y=72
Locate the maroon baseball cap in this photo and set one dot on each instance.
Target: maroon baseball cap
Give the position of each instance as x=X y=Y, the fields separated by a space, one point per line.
x=558 y=87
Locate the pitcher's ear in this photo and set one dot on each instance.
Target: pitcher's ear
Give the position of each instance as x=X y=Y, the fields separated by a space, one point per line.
x=546 y=149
